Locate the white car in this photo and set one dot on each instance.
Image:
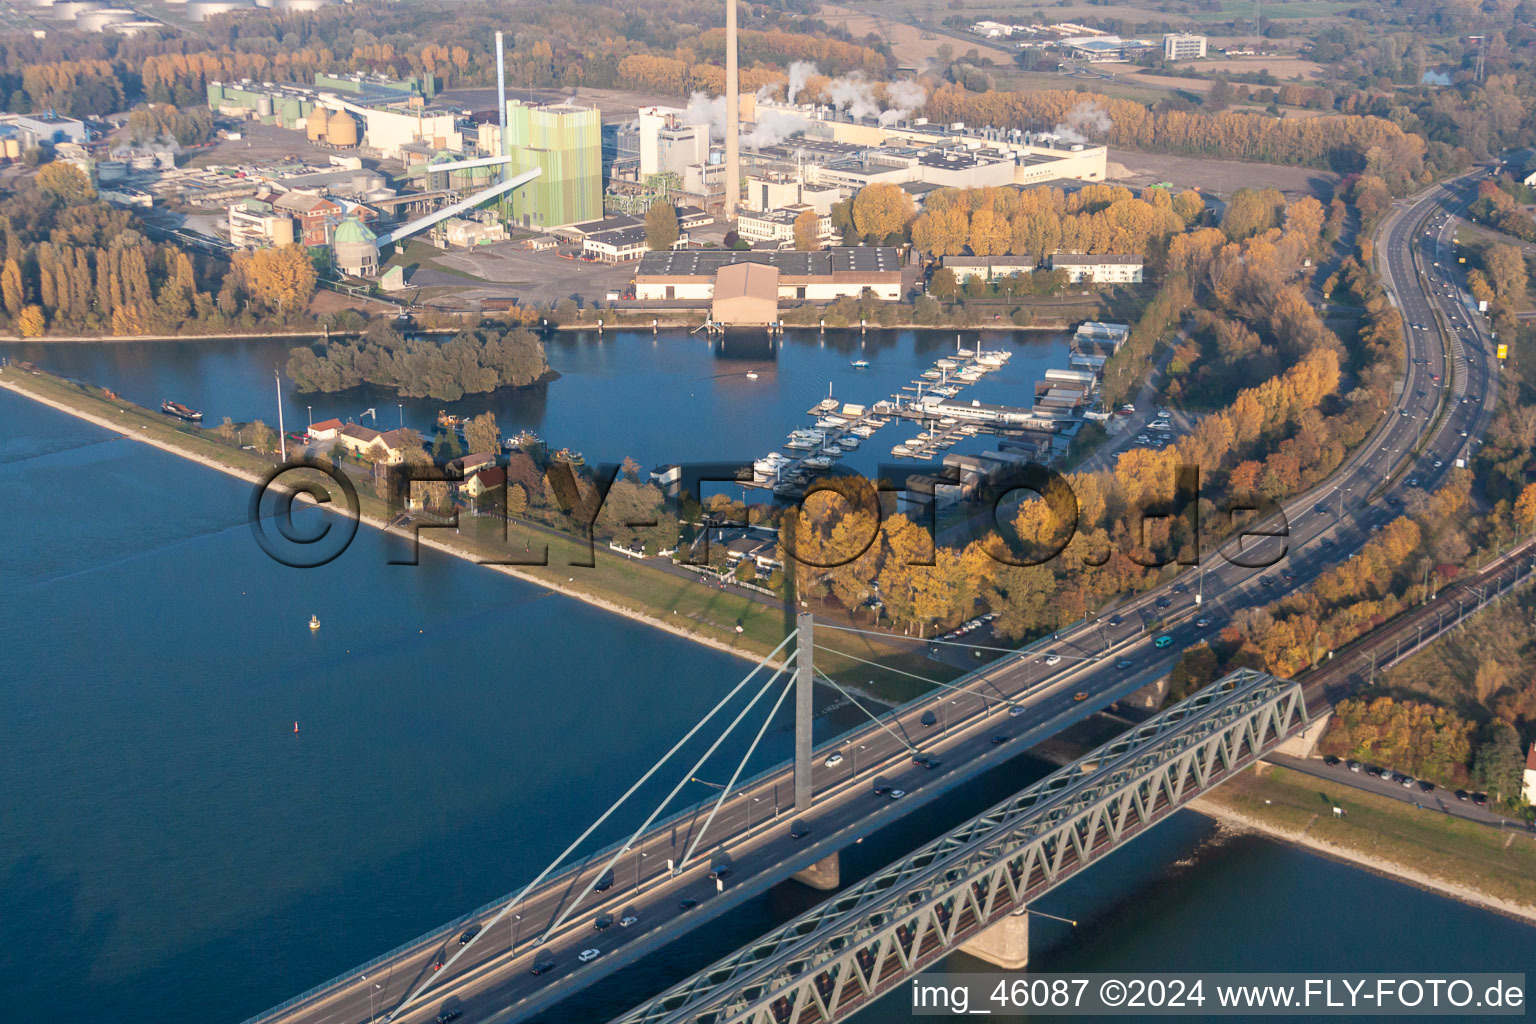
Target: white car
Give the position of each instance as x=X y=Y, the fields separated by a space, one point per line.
x=1053 y=659
x=897 y=794
x=833 y=761
x=1015 y=711
x=627 y=920
x=586 y=956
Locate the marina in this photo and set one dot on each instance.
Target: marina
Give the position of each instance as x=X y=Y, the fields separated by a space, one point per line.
x=932 y=400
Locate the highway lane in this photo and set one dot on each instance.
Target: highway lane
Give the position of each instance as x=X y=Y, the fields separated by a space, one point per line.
x=751 y=834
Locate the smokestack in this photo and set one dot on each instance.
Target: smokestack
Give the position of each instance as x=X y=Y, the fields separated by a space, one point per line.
x=732 y=115
x=501 y=101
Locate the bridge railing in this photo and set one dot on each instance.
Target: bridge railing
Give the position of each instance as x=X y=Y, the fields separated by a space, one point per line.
x=692 y=811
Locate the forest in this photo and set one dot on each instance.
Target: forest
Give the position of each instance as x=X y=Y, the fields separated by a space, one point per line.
x=70 y=262
x=476 y=360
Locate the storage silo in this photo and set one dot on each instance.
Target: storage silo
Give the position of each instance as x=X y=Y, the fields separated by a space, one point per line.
x=264 y=106
x=341 y=129
x=356 y=248
x=316 y=125
x=282 y=231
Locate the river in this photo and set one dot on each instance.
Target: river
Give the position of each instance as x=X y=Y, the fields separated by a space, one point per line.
x=170 y=847
x=671 y=397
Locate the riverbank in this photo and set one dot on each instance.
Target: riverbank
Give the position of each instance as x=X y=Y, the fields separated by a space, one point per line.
x=724 y=620
x=1464 y=860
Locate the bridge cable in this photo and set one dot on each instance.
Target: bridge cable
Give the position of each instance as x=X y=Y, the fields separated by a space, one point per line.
x=726 y=791
x=668 y=799
x=515 y=900
x=872 y=716
x=999 y=698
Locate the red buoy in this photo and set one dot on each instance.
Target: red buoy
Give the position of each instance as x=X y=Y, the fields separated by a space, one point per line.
x=295 y=726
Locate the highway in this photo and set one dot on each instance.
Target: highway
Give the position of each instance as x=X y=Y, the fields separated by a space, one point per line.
x=994 y=714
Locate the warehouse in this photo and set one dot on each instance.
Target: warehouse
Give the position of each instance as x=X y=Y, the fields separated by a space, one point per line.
x=689 y=274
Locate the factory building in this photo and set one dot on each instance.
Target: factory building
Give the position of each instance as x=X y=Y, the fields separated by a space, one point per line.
x=254 y=224
x=1183 y=46
x=33 y=130
x=690 y=274
x=779 y=225
x=563 y=142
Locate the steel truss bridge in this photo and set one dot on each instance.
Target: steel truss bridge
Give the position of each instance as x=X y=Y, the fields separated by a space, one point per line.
x=848 y=951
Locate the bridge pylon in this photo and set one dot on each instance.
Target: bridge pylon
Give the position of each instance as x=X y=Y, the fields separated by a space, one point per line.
x=1004 y=943
x=805 y=676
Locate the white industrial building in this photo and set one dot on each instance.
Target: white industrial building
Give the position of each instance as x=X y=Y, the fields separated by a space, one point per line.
x=779 y=225
x=689 y=274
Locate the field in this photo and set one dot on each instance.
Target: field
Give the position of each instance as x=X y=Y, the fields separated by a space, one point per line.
x=1222 y=177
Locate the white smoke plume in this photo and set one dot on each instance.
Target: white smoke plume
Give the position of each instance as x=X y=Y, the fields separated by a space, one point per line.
x=771 y=127
x=1084 y=118
x=854 y=94
x=902 y=98
x=800 y=73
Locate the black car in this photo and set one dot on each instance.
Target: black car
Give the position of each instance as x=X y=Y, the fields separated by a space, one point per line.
x=1426 y=786
x=1116 y=620
x=448 y=1015
x=1330 y=760
x=1462 y=794
x=1164 y=602
x=927 y=762
x=881 y=789
x=603 y=922
x=542 y=967
x=1181 y=588
x=1320 y=509
x=998 y=739
x=469 y=933
x=687 y=904
x=1481 y=799
x=929 y=718
x=720 y=872
x=800 y=830
x=605 y=883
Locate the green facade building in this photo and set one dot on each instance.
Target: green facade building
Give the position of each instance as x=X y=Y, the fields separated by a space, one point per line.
x=564 y=143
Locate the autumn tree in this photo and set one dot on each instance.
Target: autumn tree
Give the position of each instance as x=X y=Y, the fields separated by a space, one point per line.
x=1525 y=507
x=481 y=434
x=67 y=182
x=808 y=231
x=283 y=278
x=881 y=210
x=31 y=322
x=661 y=231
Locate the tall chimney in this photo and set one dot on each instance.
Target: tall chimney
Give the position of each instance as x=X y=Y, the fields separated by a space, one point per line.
x=732 y=115
x=501 y=102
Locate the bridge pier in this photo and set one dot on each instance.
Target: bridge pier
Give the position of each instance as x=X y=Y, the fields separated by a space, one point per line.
x=1304 y=742
x=1005 y=944
x=825 y=874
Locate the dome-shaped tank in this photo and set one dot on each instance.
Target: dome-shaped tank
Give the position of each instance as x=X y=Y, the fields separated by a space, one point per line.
x=356 y=248
x=315 y=125
x=341 y=130
x=97 y=21
x=199 y=10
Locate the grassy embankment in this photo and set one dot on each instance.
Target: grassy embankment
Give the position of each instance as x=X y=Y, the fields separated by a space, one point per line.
x=1461 y=858
x=614 y=582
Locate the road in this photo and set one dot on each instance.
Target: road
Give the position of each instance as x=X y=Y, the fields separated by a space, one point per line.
x=1018 y=700
x=1436 y=799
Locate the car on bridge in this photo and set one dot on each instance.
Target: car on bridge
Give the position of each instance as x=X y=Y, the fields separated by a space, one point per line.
x=1015 y=711
x=542 y=967
x=605 y=883
x=799 y=830
x=833 y=761
x=1080 y=695
x=586 y=956
x=1053 y=659
x=929 y=719
x=448 y=1015
x=687 y=903
x=627 y=920
x=603 y=922
x=1163 y=641
x=1124 y=663
x=469 y=933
